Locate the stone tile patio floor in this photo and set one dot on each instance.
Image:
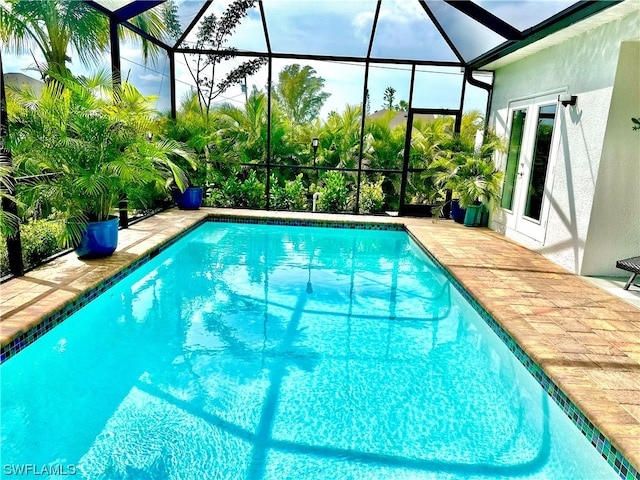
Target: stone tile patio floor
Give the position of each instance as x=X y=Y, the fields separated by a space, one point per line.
x=584 y=338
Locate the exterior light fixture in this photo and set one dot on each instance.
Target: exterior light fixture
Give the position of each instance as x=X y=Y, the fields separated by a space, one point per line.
x=567 y=99
x=314 y=145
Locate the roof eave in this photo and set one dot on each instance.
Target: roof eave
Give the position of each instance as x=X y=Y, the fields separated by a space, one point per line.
x=567 y=17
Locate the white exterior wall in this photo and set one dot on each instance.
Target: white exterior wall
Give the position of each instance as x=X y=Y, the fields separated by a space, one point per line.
x=614 y=229
x=585 y=66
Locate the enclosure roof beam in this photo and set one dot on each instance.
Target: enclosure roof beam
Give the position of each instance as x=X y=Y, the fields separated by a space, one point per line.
x=146 y=36
x=373 y=28
x=128 y=10
x=326 y=58
x=193 y=23
x=486 y=18
x=264 y=27
x=442 y=31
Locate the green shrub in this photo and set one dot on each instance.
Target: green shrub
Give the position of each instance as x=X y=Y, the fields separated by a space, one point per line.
x=145 y=199
x=252 y=192
x=335 y=195
x=371 y=197
x=291 y=197
x=39 y=241
x=249 y=193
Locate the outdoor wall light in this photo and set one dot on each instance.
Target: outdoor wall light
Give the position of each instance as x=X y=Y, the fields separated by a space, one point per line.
x=314 y=145
x=567 y=99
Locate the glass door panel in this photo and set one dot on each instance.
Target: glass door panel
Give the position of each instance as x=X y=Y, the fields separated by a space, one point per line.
x=513 y=157
x=541 y=153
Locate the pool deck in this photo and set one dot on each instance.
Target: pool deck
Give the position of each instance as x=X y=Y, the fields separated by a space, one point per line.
x=585 y=339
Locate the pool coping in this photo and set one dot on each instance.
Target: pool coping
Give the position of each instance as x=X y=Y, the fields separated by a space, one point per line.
x=27 y=322
x=597 y=439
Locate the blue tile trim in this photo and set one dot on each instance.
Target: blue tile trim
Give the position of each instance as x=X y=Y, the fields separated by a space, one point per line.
x=310 y=223
x=588 y=429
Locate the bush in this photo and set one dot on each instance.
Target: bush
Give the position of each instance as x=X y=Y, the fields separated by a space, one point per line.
x=291 y=197
x=146 y=199
x=232 y=193
x=39 y=241
x=371 y=197
x=252 y=192
x=335 y=195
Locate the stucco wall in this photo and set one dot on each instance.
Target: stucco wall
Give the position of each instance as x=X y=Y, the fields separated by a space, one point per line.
x=584 y=66
x=614 y=229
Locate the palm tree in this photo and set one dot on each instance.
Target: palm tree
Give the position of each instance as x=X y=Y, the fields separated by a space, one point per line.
x=299 y=93
x=244 y=131
x=53 y=25
x=97 y=149
x=8 y=221
x=340 y=137
x=383 y=145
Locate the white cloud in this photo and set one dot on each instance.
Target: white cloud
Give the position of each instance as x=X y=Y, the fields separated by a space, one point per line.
x=151 y=77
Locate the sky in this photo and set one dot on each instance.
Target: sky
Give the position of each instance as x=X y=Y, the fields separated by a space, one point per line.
x=339 y=28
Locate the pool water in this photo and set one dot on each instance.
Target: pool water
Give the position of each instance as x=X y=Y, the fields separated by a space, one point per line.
x=272 y=352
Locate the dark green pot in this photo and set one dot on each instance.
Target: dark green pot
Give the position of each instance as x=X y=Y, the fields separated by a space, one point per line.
x=473 y=216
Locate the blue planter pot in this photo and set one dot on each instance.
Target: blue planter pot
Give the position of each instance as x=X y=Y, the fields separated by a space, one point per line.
x=100 y=239
x=190 y=199
x=457 y=213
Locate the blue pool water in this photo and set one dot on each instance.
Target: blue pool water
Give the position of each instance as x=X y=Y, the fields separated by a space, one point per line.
x=271 y=352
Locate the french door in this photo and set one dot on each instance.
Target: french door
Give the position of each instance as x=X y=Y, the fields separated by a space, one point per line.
x=533 y=148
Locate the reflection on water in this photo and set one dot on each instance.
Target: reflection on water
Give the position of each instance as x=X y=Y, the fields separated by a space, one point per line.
x=255 y=352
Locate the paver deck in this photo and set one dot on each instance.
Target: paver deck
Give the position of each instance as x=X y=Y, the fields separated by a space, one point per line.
x=585 y=339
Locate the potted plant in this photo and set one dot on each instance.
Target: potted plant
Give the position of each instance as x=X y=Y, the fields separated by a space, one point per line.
x=478 y=187
x=94 y=150
x=457 y=212
x=193 y=128
x=190 y=198
x=471 y=177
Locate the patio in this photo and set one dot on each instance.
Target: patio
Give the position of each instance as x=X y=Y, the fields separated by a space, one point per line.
x=585 y=339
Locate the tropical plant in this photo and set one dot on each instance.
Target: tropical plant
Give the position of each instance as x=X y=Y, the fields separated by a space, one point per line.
x=198 y=132
x=232 y=191
x=97 y=149
x=469 y=172
x=242 y=133
x=340 y=138
x=371 y=196
x=299 y=93
x=383 y=145
x=292 y=196
x=334 y=195
x=53 y=25
x=38 y=239
x=476 y=181
x=9 y=221
x=252 y=192
x=213 y=34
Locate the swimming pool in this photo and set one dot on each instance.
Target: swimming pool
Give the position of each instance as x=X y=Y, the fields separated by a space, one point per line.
x=255 y=351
